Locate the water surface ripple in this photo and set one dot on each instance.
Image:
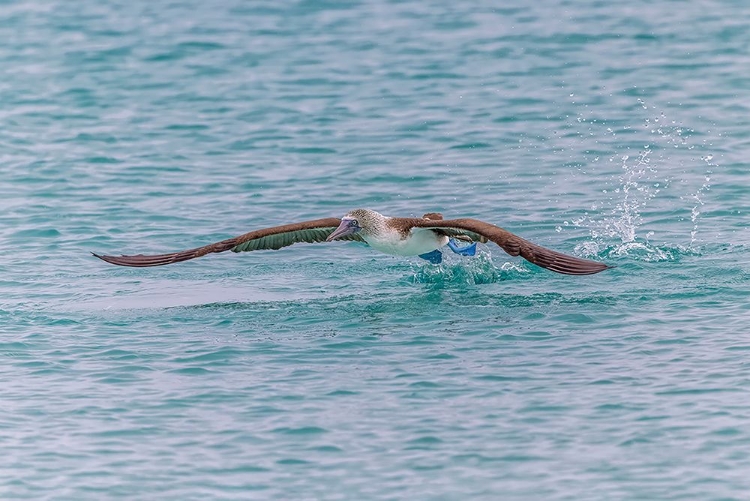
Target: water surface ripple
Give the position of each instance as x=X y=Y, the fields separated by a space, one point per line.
x=614 y=131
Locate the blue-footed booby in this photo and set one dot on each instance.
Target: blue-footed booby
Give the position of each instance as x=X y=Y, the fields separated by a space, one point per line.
x=400 y=236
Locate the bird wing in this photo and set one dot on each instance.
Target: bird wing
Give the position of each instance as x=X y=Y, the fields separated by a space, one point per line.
x=512 y=244
x=264 y=239
x=433 y=216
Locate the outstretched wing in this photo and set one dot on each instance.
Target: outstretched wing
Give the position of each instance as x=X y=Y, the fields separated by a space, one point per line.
x=265 y=239
x=512 y=244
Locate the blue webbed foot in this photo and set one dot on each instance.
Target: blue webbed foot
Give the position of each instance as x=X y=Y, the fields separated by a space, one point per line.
x=435 y=257
x=469 y=250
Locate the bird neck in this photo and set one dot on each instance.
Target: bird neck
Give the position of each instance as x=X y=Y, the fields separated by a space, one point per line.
x=374 y=224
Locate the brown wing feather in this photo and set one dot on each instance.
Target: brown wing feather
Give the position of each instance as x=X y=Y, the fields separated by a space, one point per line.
x=513 y=245
x=264 y=239
x=433 y=216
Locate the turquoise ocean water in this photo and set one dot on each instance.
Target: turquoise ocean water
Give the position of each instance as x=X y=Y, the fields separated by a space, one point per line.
x=617 y=131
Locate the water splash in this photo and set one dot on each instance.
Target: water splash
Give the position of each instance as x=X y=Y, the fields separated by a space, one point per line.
x=478 y=270
x=698 y=198
x=637 y=191
x=637 y=185
x=637 y=251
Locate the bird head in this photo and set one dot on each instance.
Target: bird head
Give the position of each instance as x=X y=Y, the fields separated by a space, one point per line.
x=353 y=222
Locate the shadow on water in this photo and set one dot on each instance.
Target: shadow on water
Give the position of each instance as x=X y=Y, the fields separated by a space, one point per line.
x=419 y=313
x=427 y=305
x=392 y=290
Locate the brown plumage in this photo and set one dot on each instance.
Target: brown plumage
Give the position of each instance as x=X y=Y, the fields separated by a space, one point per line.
x=398 y=236
x=510 y=243
x=264 y=239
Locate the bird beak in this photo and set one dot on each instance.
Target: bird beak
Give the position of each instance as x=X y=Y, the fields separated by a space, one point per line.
x=347 y=227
